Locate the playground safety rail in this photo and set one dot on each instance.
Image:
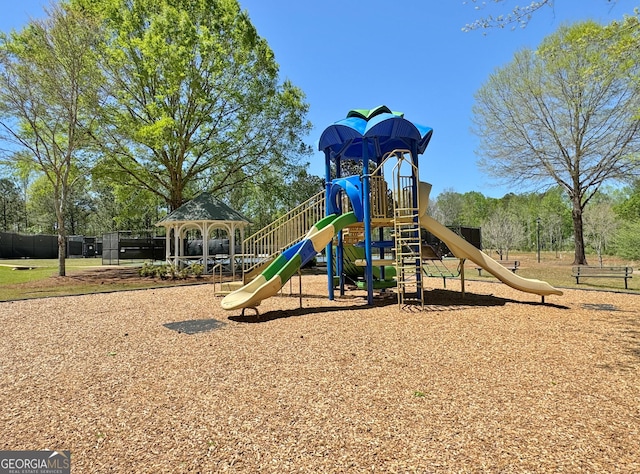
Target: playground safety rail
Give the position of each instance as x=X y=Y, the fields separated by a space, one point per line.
x=282 y=233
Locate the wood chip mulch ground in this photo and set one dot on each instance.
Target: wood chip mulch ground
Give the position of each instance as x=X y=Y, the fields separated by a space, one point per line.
x=165 y=381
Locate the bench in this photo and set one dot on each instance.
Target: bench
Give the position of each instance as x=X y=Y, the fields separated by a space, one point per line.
x=583 y=271
x=509 y=264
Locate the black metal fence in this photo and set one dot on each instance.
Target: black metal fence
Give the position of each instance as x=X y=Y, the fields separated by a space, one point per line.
x=14 y=245
x=28 y=246
x=473 y=235
x=118 y=246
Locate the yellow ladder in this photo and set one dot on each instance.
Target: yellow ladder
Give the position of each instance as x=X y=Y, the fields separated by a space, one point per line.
x=406 y=227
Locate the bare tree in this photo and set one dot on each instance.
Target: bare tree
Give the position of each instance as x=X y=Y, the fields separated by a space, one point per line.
x=552 y=231
x=600 y=226
x=518 y=17
x=48 y=81
x=566 y=114
x=502 y=231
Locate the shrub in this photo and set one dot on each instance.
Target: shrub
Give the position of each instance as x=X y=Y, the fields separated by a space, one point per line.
x=197 y=269
x=170 y=271
x=148 y=269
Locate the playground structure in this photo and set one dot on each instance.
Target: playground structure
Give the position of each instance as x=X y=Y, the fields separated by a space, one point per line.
x=382 y=211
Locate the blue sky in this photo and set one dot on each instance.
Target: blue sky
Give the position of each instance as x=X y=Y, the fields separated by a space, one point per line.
x=410 y=55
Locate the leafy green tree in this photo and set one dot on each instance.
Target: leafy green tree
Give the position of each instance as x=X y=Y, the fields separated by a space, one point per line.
x=470 y=209
x=351 y=167
x=22 y=174
x=41 y=207
x=105 y=208
x=301 y=186
x=476 y=208
x=121 y=206
x=270 y=197
x=78 y=210
x=565 y=115
x=447 y=208
x=628 y=208
x=555 y=219
x=48 y=85
x=195 y=99
x=11 y=205
x=626 y=241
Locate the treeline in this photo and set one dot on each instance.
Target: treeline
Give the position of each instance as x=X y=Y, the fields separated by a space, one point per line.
x=98 y=206
x=517 y=222
x=521 y=222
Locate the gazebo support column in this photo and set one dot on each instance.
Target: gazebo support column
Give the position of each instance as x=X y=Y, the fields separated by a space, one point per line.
x=232 y=251
x=205 y=247
x=167 y=241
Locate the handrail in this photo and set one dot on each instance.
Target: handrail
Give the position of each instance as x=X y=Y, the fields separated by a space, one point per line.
x=283 y=232
x=213 y=273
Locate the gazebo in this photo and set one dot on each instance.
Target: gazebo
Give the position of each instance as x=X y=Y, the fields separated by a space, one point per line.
x=193 y=232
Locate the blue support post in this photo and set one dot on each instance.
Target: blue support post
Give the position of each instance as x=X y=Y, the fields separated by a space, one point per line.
x=340 y=264
x=366 y=206
x=327 y=204
x=340 y=247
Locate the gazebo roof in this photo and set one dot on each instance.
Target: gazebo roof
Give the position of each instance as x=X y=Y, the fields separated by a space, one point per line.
x=203 y=208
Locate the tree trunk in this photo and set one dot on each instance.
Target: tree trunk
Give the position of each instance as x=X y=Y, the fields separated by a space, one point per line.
x=580 y=257
x=176 y=199
x=62 y=241
x=62 y=251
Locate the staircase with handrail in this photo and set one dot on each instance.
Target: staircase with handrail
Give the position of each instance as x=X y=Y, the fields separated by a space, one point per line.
x=263 y=246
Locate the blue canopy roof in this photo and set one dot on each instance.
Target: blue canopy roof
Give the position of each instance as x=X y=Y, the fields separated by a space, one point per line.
x=384 y=130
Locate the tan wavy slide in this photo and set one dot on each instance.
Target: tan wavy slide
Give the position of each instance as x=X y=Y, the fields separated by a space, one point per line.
x=463 y=249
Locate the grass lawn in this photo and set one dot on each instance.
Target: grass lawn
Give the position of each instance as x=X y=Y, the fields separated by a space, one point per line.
x=38 y=278
x=87 y=275
x=13 y=271
x=556 y=270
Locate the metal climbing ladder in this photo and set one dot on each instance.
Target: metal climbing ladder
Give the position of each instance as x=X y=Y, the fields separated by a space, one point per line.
x=406 y=230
